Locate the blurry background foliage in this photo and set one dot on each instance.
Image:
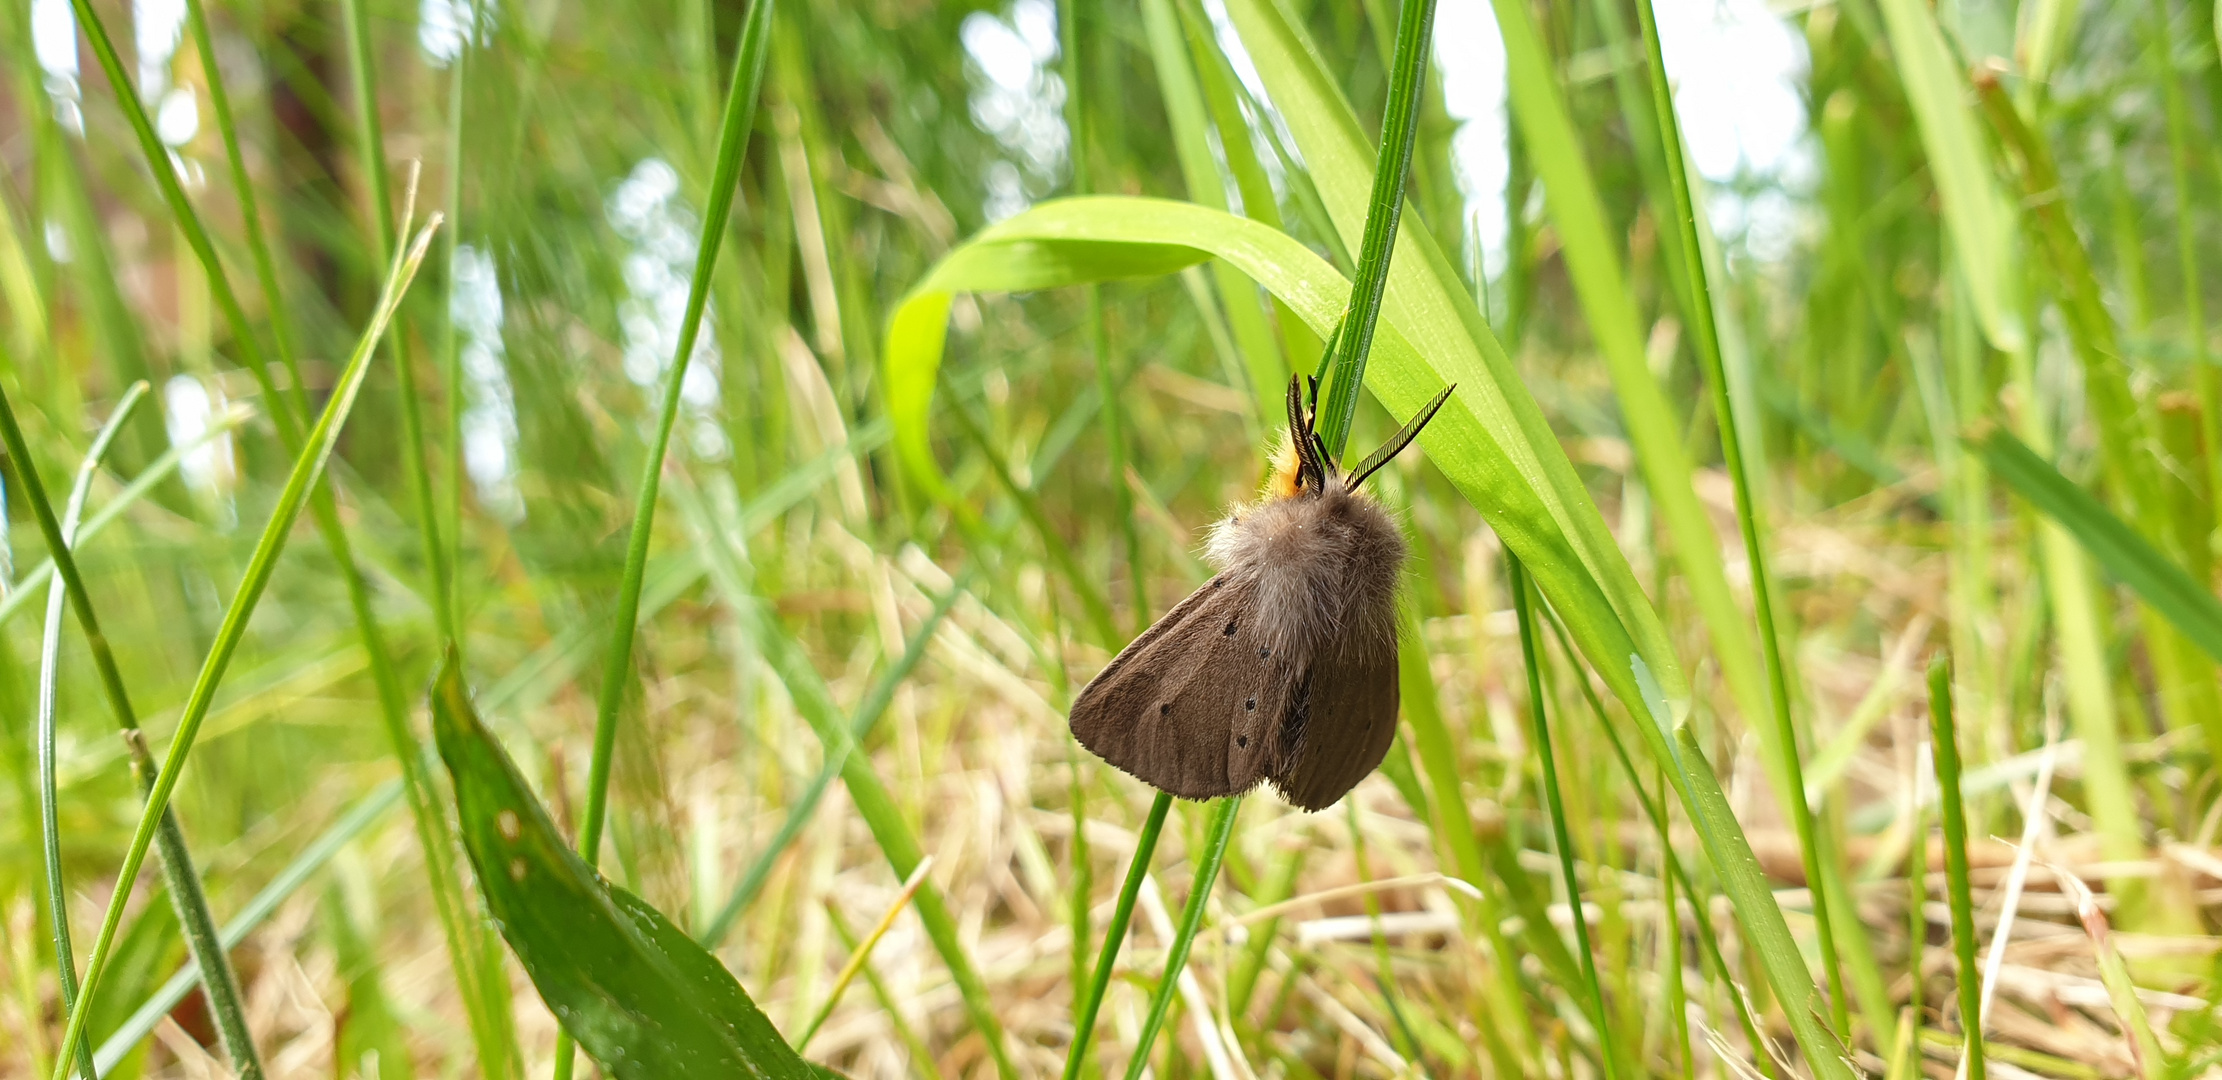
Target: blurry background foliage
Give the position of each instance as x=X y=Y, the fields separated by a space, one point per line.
x=1892 y=264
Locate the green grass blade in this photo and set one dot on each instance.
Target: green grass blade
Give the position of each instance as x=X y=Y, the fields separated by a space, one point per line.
x=1110 y=416
x=161 y=469
x=1707 y=342
x=739 y=120
x=243 y=188
x=1608 y=304
x=476 y=962
x=1958 y=891
x=807 y=689
x=1114 y=936
x=2171 y=590
x=1346 y=371
x=57 y=895
x=178 y=874
x=307 y=468
x=1184 y=935
x=617 y=666
x=862 y=720
x=1977 y=216
x=1555 y=804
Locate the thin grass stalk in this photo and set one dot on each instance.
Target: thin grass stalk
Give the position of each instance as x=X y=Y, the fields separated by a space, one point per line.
x=1184 y=935
x=1555 y=803
x=451 y=358
x=1959 y=893
x=1706 y=339
x=740 y=112
x=1114 y=936
x=476 y=956
x=1081 y=890
x=307 y=468
x=921 y=1057
x=57 y=896
x=1400 y=127
x=1060 y=554
x=485 y=995
x=178 y=873
x=1384 y=975
x=371 y=136
x=1243 y=982
x=733 y=133
x=861 y=953
x=243 y=188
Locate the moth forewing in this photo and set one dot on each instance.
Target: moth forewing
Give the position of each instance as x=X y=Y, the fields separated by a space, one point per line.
x=1192 y=707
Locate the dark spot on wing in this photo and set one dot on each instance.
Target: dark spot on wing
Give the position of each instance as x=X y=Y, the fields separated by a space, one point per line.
x=1242 y=741
x=1250 y=705
x=1229 y=631
x=1164 y=707
x=1264 y=651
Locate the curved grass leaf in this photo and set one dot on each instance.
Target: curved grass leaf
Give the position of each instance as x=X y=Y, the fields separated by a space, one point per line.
x=1480 y=440
x=625 y=981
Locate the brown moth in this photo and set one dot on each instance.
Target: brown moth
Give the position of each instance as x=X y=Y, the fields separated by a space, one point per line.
x=1282 y=667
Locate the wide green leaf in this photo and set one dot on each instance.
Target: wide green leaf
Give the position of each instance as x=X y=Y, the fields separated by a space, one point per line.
x=627 y=983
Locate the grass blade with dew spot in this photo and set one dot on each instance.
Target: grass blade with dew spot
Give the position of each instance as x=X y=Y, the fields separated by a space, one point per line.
x=178 y=874
x=862 y=952
x=861 y=722
x=1346 y=367
x=1114 y=936
x=57 y=895
x=617 y=666
x=1532 y=659
x=643 y=998
x=1957 y=890
x=307 y=468
x=2130 y=557
x=366 y=812
x=1191 y=919
x=1707 y=344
